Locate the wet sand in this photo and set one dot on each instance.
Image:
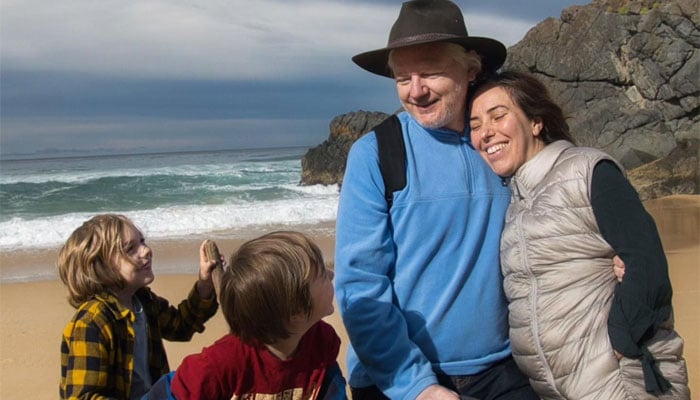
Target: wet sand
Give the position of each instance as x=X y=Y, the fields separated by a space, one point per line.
x=33 y=314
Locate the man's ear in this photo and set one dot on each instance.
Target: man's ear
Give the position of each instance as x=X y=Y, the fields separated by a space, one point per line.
x=472 y=73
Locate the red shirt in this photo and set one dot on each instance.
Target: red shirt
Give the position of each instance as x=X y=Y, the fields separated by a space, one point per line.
x=232 y=369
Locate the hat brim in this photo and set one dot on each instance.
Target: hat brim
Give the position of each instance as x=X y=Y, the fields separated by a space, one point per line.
x=492 y=52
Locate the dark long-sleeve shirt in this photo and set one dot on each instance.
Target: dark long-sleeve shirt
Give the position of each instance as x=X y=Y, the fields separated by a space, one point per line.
x=643 y=300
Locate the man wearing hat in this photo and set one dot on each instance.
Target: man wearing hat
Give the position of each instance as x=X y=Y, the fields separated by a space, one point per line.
x=418 y=283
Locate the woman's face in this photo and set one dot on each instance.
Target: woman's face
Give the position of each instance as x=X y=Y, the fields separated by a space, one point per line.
x=504 y=136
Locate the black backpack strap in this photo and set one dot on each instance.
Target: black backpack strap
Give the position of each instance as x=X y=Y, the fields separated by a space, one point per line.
x=392 y=156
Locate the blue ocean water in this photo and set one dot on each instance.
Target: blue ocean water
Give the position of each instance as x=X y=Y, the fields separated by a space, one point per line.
x=168 y=195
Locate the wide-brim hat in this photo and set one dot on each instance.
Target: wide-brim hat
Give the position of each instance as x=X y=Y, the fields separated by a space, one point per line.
x=431 y=21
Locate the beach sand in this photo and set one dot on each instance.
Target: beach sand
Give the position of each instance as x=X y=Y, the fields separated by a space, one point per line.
x=33 y=314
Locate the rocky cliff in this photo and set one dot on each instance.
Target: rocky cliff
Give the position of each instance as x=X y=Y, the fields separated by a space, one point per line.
x=626 y=72
x=325 y=163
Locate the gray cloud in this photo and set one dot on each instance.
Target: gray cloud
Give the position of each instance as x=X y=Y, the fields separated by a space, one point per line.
x=175 y=74
x=242 y=40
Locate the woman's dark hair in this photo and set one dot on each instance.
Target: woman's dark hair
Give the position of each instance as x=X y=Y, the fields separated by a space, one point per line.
x=533 y=98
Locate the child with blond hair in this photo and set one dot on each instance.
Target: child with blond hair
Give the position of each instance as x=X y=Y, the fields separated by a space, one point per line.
x=112 y=347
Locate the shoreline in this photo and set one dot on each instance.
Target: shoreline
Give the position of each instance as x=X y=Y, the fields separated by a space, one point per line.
x=33 y=313
x=177 y=255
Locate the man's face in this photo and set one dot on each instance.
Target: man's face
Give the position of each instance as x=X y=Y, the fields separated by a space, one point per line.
x=431 y=85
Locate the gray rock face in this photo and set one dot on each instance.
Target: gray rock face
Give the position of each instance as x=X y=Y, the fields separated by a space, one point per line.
x=626 y=72
x=325 y=163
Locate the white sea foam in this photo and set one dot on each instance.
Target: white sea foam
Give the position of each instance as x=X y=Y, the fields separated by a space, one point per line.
x=181 y=221
x=169 y=195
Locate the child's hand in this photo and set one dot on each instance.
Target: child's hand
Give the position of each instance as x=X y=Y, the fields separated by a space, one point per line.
x=209 y=260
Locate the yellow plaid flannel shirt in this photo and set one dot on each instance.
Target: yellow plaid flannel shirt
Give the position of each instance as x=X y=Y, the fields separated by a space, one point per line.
x=97 y=350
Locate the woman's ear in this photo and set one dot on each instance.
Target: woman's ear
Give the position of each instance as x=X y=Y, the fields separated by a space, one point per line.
x=537 y=126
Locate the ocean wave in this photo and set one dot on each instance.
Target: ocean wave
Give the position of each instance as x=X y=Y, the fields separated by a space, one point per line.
x=209 y=170
x=167 y=195
x=177 y=221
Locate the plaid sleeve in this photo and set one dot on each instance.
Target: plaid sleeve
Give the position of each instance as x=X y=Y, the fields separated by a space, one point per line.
x=85 y=359
x=181 y=322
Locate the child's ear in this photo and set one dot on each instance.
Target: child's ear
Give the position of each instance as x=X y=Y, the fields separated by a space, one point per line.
x=297 y=322
x=297 y=318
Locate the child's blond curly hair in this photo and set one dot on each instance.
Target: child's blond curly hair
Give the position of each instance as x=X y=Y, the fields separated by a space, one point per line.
x=86 y=262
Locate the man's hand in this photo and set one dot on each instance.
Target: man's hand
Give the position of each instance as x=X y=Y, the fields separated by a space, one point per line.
x=618 y=268
x=437 y=392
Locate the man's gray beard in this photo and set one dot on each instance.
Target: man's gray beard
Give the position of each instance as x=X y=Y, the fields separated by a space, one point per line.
x=450 y=112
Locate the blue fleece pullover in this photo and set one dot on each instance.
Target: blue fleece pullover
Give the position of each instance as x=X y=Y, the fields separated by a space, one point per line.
x=420 y=292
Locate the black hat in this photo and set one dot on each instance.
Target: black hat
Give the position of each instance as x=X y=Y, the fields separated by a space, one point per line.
x=430 y=21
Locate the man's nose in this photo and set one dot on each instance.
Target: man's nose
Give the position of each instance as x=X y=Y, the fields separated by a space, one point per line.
x=418 y=87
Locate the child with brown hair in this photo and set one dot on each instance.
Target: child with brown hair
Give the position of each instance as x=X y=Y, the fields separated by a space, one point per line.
x=273 y=294
x=113 y=346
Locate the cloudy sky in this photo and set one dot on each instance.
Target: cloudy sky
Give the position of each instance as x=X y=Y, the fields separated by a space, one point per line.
x=115 y=76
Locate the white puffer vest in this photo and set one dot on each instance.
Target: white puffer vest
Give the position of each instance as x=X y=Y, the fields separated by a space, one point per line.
x=559 y=282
